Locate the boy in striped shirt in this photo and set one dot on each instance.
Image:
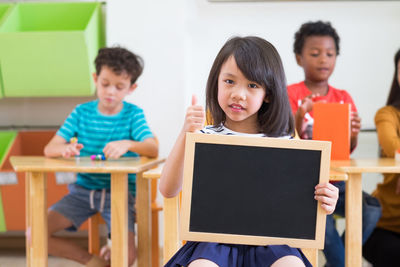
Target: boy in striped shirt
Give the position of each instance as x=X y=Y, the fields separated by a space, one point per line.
x=108 y=126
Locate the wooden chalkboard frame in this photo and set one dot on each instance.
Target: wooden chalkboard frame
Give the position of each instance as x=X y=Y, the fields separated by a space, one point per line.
x=193 y=138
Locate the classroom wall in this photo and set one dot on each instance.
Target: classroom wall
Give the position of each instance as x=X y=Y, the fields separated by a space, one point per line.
x=180 y=39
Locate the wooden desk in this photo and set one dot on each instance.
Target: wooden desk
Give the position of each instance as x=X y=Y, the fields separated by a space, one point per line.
x=354 y=168
x=36 y=213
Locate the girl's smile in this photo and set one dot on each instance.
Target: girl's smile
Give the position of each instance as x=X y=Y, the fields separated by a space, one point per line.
x=236 y=107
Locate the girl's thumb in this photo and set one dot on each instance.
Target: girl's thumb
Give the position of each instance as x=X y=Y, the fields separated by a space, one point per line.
x=194 y=100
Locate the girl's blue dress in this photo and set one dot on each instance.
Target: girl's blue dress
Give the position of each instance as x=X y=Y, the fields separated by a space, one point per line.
x=229 y=255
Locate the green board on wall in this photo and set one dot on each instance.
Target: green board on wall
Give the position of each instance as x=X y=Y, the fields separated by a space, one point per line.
x=2 y=220
x=6 y=140
x=48 y=49
x=4 y=10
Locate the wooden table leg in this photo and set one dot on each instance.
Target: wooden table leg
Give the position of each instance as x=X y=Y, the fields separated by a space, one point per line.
x=119 y=219
x=37 y=218
x=353 y=242
x=28 y=220
x=143 y=219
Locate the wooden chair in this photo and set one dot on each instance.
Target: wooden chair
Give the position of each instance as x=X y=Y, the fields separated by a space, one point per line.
x=95 y=221
x=171 y=232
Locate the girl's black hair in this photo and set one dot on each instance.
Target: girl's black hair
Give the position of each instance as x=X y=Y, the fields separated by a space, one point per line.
x=394 y=95
x=317 y=28
x=260 y=62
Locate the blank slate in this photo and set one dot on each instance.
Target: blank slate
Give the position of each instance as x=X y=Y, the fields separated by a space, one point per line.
x=253 y=190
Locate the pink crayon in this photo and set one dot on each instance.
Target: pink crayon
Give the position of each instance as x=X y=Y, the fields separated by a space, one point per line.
x=97 y=157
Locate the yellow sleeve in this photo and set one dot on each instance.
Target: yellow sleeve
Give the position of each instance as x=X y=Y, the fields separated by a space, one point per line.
x=387 y=123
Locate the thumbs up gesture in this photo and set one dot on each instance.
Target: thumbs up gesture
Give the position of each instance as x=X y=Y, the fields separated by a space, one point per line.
x=195 y=117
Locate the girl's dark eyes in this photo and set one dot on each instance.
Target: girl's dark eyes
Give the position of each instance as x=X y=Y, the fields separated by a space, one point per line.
x=253 y=85
x=229 y=81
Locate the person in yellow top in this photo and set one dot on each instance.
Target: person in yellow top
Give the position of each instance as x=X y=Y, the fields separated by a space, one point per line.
x=383 y=246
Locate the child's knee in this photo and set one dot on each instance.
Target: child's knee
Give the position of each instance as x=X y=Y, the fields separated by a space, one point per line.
x=288 y=261
x=56 y=222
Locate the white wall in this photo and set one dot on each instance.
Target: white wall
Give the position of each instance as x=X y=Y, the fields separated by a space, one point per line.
x=180 y=39
x=154 y=29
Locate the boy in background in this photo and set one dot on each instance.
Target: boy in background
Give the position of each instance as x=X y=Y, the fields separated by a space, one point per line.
x=108 y=126
x=316 y=47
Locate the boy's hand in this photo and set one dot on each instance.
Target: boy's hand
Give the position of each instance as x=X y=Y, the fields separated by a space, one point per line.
x=195 y=117
x=72 y=149
x=116 y=149
x=355 y=124
x=328 y=194
x=307 y=103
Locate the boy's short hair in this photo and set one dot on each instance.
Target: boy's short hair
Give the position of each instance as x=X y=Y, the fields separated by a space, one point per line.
x=119 y=60
x=317 y=28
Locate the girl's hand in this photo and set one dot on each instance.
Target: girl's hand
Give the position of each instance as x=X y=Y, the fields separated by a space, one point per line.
x=116 y=149
x=328 y=195
x=355 y=124
x=72 y=149
x=195 y=117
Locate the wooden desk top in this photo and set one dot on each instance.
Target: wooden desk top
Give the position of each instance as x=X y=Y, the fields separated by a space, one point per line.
x=154 y=173
x=82 y=164
x=380 y=165
x=337 y=176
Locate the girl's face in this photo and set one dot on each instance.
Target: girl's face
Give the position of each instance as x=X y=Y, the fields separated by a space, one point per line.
x=239 y=98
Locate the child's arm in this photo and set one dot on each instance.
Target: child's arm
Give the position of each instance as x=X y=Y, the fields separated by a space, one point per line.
x=355 y=127
x=328 y=195
x=147 y=148
x=172 y=174
x=306 y=106
x=59 y=147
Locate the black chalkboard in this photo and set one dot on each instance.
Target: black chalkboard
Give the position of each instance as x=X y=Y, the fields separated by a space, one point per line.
x=253 y=188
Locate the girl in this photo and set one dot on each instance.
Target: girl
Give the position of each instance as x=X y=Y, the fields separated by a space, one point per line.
x=246 y=95
x=383 y=246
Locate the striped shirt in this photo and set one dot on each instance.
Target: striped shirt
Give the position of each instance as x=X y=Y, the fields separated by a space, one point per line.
x=221 y=129
x=95 y=130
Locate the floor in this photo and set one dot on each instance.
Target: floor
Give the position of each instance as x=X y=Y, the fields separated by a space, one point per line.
x=16 y=258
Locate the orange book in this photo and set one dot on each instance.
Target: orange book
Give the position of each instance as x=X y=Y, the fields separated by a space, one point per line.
x=332 y=123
